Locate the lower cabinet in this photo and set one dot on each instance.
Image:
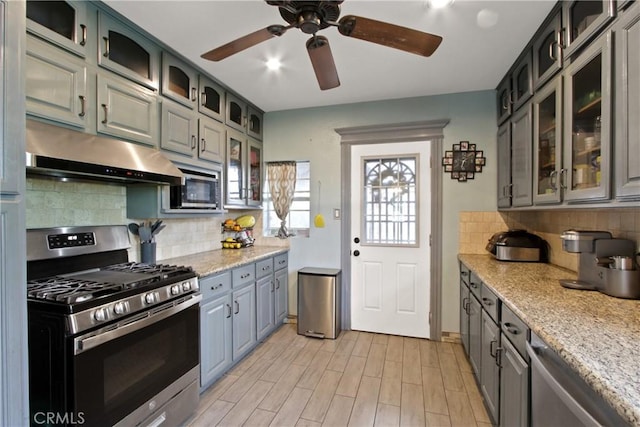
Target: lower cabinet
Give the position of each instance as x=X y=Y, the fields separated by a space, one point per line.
x=244 y=320
x=490 y=369
x=514 y=387
x=215 y=339
x=281 y=292
x=475 y=334
x=265 y=309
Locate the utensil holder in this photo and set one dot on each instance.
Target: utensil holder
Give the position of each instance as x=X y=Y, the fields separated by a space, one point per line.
x=148 y=252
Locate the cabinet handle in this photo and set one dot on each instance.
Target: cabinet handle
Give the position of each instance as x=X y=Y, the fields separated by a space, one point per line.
x=492 y=352
x=553 y=178
x=244 y=276
x=203 y=145
x=561 y=38
x=106 y=47
x=281 y=262
x=511 y=329
x=272 y=287
x=106 y=114
x=510 y=192
x=465 y=302
x=266 y=267
x=473 y=285
x=464 y=273
x=228 y=308
x=216 y=287
x=203 y=98
x=237 y=307
x=193 y=142
x=487 y=301
x=277 y=283
x=499 y=356
x=563 y=178
x=194 y=94
x=83 y=104
x=83 y=41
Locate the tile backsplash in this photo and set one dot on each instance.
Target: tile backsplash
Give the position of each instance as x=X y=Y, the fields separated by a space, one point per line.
x=475 y=228
x=54 y=203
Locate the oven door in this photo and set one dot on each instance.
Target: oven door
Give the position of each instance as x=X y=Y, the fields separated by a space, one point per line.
x=116 y=371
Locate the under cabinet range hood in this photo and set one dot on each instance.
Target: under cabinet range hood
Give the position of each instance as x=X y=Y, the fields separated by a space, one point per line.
x=65 y=153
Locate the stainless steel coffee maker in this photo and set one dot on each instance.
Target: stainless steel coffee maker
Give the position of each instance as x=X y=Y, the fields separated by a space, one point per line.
x=603 y=264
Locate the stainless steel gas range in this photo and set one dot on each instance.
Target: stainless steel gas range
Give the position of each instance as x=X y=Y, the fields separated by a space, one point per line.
x=111 y=342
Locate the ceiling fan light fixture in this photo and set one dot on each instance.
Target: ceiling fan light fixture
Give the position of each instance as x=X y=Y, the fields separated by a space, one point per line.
x=274 y=64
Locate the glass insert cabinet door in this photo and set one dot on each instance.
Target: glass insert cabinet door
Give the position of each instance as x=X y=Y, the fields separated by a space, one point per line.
x=390 y=208
x=235 y=178
x=254 y=195
x=547 y=105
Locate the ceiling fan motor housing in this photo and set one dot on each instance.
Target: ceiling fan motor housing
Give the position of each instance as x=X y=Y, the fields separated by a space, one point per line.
x=310 y=16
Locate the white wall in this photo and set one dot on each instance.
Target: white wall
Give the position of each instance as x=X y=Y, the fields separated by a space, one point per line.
x=308 y=134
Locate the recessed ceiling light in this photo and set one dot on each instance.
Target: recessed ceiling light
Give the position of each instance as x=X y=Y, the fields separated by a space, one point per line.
x=274 y=64
x=439 y=4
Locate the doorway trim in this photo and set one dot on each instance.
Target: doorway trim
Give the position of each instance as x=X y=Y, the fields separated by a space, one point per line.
x=432 y=130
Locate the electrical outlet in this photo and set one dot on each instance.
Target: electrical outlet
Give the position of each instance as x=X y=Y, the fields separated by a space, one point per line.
x=336 y=214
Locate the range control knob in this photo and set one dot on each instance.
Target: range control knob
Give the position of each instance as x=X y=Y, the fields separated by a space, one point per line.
x=186 y=286
x=150 y=298
x=175 y=289
x=101 y=315
x=120 y=308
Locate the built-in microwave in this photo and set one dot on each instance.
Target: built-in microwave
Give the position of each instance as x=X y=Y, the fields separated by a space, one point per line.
x=199 y=191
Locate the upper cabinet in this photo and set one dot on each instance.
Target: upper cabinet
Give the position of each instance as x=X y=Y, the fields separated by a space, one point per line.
x=627 y=96
x=60 y=22
x=504 y=99
x=547 y=50
x=243 y=117
x=244 y=171
x=583 y=20
x=179 y=81
x=521 y=142
x=127 y=52
x=212 y=99
x=516 y=87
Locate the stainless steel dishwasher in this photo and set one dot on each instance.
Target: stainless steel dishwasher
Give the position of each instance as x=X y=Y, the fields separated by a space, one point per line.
x=559 y=397
x=319 y=302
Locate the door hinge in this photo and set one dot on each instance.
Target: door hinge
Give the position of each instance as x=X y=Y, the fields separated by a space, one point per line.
x=430 y=240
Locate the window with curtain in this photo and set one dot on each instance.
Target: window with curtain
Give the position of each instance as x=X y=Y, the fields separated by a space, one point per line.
x=299 y=218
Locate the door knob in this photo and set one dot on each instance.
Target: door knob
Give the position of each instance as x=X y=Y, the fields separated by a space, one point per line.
x=356 y=240
x=356 y=253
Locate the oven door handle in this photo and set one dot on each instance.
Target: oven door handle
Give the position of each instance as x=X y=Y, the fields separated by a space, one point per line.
x=84 y=343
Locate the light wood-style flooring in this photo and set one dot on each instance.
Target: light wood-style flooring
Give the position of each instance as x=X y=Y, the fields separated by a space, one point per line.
x=359 y=379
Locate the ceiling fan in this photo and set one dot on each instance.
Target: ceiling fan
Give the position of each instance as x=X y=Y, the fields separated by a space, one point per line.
x=313 y=16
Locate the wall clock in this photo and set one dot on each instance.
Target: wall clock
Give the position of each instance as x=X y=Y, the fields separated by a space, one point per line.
x=463 y=161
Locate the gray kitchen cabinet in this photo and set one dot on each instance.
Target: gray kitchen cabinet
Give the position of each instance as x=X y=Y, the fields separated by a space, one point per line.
x=56 y=84
x=236 y=113
x=127 y=52
x=244 y=320
x=254 y=122
x=627 y=94
x=62 y=23
x=211 y=140
x=547 y=137
x=126 y=110
x=504 y=99
x=265 y=306
x=521 y=159
x=281 y=278
x=464 y=315
x=244 y=171
x=521 y=81
x=212 y=101
x=504 y=165
x=215 y=339
x=583 y=20
x=547 y=49
x=179 y=129
x=14 y=380
x=179 y=81
x=490 y=369
x=475 y=334
x=587 y=123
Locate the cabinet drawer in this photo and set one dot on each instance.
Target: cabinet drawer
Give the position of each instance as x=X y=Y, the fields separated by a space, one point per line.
x=464 y=273
x=515 y=329
x=264 y=268
x=491 y=303
x=243 y=275
x=475 y=284
x=281 y=261
x=211 y=286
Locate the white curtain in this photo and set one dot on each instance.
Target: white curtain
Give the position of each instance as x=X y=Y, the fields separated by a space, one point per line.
x=282 y=185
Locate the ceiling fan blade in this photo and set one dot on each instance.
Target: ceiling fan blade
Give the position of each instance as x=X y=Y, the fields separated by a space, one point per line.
x=322 y=61
x=244 y=42
x=385 y=34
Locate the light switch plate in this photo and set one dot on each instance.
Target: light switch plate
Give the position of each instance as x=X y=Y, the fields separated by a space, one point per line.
x=336 y=214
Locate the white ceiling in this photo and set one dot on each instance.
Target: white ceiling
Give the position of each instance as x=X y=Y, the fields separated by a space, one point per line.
x=481 y=40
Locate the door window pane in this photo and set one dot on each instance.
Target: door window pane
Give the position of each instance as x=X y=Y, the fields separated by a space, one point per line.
x=129 y=54
x=390 y=201
x=58 y=16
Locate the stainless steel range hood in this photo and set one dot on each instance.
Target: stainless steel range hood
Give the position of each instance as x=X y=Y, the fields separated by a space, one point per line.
x=61 y=152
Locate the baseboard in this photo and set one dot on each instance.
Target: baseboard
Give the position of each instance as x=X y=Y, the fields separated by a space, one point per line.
x=452 y=337
x=291 y=319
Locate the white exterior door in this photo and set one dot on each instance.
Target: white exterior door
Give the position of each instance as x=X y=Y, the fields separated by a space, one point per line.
x=390 y=229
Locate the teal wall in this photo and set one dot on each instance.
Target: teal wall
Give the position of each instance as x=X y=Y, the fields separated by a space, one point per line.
x=309 y=134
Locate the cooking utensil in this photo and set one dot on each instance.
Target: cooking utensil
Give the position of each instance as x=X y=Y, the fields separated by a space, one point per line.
x=133 y=228
x=155 y=226
x=145 y=233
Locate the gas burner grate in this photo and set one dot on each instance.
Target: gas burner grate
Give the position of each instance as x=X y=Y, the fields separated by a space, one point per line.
x=69 y=291
x=164 y=270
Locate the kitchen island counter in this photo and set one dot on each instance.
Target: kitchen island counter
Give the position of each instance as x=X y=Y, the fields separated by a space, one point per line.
x=216 y=261
x=596 y=334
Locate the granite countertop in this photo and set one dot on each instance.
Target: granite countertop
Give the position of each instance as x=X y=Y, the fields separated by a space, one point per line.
x=598 y=335
x=210 y=262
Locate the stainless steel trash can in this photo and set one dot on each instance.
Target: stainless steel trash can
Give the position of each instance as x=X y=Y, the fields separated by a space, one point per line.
x=319 y=302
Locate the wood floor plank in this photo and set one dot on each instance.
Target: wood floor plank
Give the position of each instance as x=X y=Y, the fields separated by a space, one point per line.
x=363 y=343
x=339 y=411
x=380 y=339
x=242 y=410
x=437 y=420
x=350 y=335
x=260 y=418
x=215 y=391
x=331 y=345
x=350 y=380
x=281 y=390
x=411 y=369
x=461 y=358
x=307 y=423
x=429 y=354
x=321 y=398
x=391 y=386
x=435 y=399
x=364 y=407
x=314 y=371
x=238 y=389
x=387 y=415
x=449 y=361
x=375 y=361
x=412 y=405
x=346 y=346
x=395 y=349
x=214 y=413
x=279 y=367
x=338 y=362
x=475 y=398
x=291 y=409
x=452 y=379
x=460 y=412
x=305 y=356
